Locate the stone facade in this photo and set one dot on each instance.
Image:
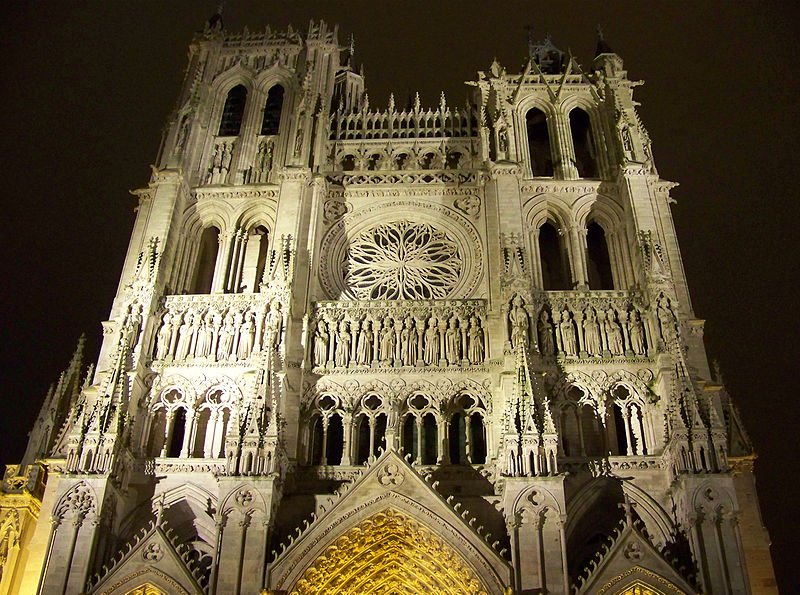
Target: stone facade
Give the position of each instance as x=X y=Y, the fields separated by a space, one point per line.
x=392 y=350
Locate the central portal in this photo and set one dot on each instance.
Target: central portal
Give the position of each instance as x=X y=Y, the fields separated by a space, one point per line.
x=389 y=554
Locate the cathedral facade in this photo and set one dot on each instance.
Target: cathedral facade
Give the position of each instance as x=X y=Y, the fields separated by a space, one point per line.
x=392 y=350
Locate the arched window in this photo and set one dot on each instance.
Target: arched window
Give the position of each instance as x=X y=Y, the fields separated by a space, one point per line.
x=430 y=442
x=598 y=262
x=348 y=163
x=334 y=442
x=539 y=143
x=555 y=275
x=232 y=113
x=177 y=433
x=317 y=441
x=582 y=141
x=272 y=111
x=477 y=441
x=206 y=261
x=255 y=259
x=457 y=439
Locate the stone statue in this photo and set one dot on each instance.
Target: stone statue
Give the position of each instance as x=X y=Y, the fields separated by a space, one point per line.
x=591 y=333
x=475 y=340
x=226 y=334
x=274 y=324
x=432 y=343
x=203 y=342
x=636 y=333
x=453 y=343
x=184 y=337
x=409 y=343
x=164 y=337
x=614 y=334
x=546 y=344
x=343 y=345
x=568 y=334
x=364 y=344
x=387 y=342
x=321 y=344
x=518 y=318
x=246 y=337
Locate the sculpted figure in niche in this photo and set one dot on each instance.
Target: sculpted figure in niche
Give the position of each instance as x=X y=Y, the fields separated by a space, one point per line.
x=614 y=334
x=274 y=324
x=568 y=333
x=666 y=319
x=164 y=337
x=203 y=337
x=321 y=344
x=226 y=334
x=591 y=333
x=247 y=336
x=364 y=344
x=184 y=337
x=475 y=336
x=636 y=333
x=546 y=344
x=387 y=342
x=409 y=343
x=343 y=345
x=518 y=318
x=453 y=343
x=432 y=343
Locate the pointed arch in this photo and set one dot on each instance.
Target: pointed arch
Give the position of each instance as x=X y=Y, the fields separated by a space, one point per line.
x=389 y=547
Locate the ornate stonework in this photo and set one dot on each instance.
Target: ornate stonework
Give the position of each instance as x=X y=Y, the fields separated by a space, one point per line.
x=392 y=350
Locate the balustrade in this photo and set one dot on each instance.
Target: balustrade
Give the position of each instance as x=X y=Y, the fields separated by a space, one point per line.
x=217 y=328
x=398 y=333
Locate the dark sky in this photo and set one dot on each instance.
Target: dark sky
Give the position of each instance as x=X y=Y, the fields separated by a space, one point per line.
x=87 y=87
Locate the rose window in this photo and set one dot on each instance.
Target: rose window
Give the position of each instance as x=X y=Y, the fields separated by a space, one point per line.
x=402 y=261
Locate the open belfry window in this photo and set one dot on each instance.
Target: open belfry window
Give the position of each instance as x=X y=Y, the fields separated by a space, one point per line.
x=233 y=112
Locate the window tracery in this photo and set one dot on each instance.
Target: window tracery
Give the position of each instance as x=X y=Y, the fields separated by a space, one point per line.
x=402 y=260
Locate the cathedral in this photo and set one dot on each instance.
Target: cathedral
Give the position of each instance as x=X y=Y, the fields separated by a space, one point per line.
x=390 y=350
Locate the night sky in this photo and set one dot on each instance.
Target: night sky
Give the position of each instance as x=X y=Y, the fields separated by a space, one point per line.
x=88 y=86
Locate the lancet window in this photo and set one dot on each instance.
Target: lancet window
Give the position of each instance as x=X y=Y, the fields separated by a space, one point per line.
x=582 y=430
x=553 y=258
x=371 y=430
x=583 y=143
x=598 y=260
x=421 y=431
x=272 y=111
x=629 y=424
x=233 y=111
x=206 y=261
x=541 y=158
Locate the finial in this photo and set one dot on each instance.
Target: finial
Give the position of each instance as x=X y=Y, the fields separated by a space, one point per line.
x=391 y=102
x=352 y=48
x=417 y=104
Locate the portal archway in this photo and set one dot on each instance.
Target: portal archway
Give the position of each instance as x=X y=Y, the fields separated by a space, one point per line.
x=389 y=554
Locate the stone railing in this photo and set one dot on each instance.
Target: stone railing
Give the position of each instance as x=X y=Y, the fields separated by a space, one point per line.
x=591 y=324
x=398 y=334
x=415 y=122
x=216 y=328
x=31 y=480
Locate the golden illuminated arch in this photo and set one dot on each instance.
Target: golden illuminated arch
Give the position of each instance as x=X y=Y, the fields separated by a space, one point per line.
x=389 y=554
x=640 y=581
x=146 y=589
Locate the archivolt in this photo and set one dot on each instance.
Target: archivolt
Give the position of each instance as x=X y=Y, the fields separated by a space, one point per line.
x=389 y=553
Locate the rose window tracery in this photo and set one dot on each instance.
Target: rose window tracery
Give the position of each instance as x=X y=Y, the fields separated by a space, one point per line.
x=402 y=260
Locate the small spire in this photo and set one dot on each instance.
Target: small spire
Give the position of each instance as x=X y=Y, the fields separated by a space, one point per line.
x=602 y=46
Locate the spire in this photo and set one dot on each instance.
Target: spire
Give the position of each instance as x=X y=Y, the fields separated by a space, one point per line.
x=602 y=46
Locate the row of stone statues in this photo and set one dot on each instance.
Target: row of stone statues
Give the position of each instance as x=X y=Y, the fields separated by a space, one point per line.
x=398 y=340
x=590 y=331
x=218 y=333
x=220 y=163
